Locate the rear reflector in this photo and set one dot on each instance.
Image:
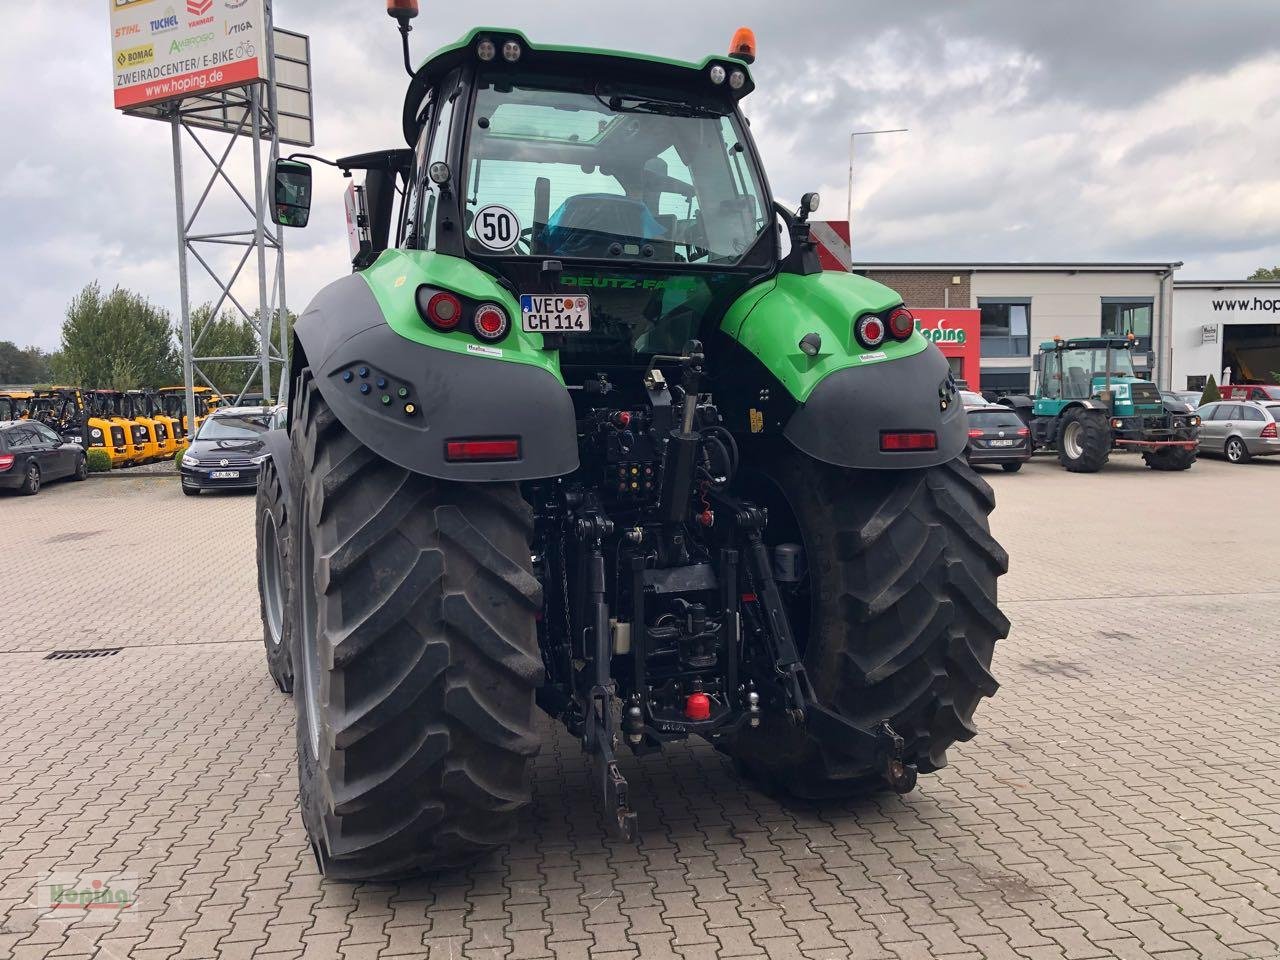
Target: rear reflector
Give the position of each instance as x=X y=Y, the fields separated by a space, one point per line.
x=975 y=434
x=481 y=451
x=909 y=440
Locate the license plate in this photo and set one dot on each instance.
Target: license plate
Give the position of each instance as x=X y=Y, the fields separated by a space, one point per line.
x=554 y=313
x=225 y=475
x=1000 y=443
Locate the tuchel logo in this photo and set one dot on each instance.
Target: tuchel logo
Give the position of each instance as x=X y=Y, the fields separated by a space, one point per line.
x=198 y=8
x=166 y=23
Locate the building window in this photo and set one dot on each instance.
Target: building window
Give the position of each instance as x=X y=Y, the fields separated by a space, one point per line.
x=1123 y=317
x=1006 y=327
x=1001 y=382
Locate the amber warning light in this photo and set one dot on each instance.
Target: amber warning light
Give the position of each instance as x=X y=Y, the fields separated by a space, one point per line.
x=743 y=46
x=402 y=9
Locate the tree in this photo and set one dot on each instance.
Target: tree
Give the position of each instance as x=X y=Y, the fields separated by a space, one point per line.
x=1211 y=393
x=23 y=366
x=118 y=341
x=231 y=335
x=1265 y=273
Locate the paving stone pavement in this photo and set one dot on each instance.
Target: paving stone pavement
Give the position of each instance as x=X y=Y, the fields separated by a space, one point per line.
x=1121 y=800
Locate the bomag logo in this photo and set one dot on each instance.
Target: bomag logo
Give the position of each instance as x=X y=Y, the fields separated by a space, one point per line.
x=136 y=56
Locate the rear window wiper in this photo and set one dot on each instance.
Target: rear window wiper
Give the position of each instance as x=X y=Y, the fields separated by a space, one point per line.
x=666 y=108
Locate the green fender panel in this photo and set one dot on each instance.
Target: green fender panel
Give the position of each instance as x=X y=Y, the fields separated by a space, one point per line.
x=769 y=320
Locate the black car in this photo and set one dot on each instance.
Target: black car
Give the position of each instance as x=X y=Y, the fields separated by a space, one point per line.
x=998 y=435
x=227 y=452
x=32 y=454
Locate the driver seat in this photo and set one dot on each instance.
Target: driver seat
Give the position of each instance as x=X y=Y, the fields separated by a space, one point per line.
x=588 y=224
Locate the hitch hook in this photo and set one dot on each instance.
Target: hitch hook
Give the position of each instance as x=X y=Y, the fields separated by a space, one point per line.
x=900 y=776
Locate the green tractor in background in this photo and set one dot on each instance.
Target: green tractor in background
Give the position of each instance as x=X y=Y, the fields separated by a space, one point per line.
x=1090 y=401
x=589 y=429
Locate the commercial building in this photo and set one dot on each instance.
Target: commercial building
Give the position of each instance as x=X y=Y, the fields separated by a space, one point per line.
x=1022 y=304
x=1230 y=329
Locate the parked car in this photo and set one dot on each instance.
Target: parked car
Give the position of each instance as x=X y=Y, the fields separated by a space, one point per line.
x=227 y=451
x=1240 y=430
x=1250 y=391
x=971 y=399
x=998 y=435
x=1189 y=397
x=32 y=454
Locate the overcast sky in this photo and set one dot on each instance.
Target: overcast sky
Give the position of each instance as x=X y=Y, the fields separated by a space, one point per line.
x=1134 y=130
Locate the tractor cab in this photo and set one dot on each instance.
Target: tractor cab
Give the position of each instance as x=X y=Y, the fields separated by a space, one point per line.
x=1099 y=368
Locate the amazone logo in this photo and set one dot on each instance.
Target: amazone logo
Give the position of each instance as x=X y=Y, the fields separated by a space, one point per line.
x=940 y=334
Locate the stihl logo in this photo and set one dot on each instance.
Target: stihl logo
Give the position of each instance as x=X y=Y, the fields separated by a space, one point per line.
x=198 y=8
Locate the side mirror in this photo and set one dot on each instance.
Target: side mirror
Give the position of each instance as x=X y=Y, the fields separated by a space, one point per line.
x=291 y=196
x=1035 y=363
x=1151 y=359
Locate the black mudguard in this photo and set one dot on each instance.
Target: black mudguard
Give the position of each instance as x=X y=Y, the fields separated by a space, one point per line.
x=277 y=444
x=448 y=396
x=842 y=420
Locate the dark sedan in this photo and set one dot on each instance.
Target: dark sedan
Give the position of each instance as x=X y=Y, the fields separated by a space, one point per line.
x=32 y=454
x=227 y=452
x=998 y=435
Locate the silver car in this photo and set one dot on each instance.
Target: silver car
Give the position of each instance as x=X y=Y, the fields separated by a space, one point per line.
x=1240 y=429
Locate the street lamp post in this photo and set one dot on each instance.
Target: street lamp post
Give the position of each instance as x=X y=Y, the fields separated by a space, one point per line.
x=860 y=133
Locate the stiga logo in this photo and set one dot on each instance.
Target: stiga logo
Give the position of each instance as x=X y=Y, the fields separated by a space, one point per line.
x=165 y=23
x=198 y=8
x=135 y=56
x=234 y=28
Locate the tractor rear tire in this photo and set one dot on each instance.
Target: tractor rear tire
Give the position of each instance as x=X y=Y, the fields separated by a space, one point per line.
x=1170 y=458
x=416 y=652
x=273 y=558
x=1084 y=441
x=901 y=619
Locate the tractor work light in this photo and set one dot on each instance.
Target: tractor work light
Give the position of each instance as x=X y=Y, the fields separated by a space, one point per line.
x=870 y=331
x=1117 y=424
x=717 y=74
x=440 y=309
x=485 y=50
x=482 y=450
x=899 y=441
x=737 y=80
x=511 y=51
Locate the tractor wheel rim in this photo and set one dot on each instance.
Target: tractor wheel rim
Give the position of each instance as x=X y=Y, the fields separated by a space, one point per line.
x=1071 y=440
x=270 y=582
x=311 y=668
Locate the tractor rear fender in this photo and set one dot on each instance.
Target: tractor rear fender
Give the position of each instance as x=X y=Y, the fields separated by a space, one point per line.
x=843 y=395
x=405 y=399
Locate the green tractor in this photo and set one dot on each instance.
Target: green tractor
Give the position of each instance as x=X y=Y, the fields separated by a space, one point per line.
x=1090 y=401
x=589 y=430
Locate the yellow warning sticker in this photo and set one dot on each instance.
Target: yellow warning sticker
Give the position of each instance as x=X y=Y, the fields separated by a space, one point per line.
x=757 y=421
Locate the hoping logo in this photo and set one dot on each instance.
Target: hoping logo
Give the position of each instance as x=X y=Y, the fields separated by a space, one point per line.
x=198 y=8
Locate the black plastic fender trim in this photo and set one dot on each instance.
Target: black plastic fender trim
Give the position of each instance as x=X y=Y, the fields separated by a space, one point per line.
x=403 y=400
x=841 y=421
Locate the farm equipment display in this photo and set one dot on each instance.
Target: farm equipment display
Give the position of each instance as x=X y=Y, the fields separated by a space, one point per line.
x=578 y=432
x=1090 y=401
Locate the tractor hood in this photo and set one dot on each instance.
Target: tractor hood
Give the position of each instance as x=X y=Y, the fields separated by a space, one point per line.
x=1129 y=394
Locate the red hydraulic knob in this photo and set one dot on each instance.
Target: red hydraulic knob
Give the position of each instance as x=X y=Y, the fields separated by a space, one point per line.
x=622 y=418
x=698 y=707
x=707 y=518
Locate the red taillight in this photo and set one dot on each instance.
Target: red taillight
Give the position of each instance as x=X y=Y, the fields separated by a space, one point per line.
x=479 y=451
x=441 y=310
x=901 y=323
x=901 y=440
x=491 y=322
x=870 y=332
x=1269 y=431
x=6 y=462
x=1024 y=431
x=975 y=434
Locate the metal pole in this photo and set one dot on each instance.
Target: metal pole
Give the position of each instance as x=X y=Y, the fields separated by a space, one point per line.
x=849 y=213
x=282 y=308
x=184 y=294
x=260 y=214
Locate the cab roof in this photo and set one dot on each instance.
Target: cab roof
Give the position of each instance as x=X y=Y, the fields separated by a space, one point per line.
x=607 y=64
